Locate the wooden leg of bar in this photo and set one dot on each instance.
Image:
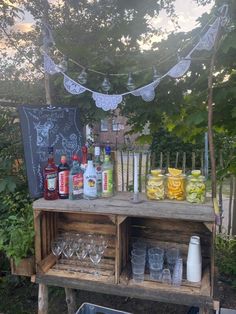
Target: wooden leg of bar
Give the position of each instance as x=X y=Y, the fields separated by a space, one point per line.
x=71 y=300
x=203 y=310
x=43 y=299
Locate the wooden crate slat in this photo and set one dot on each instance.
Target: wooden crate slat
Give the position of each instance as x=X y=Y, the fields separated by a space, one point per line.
x=80 y=276
x=120 y=205
x=86 y=227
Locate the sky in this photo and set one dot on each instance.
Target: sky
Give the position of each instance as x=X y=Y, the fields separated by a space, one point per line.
x=187 y=11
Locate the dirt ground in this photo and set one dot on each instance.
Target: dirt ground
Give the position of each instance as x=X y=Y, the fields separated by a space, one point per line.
x=19 y=296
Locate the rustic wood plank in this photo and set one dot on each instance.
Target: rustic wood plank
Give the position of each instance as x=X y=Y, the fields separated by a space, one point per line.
x=206 y=283
x=176 y=159
x=88 y=276
x=122 y=171
x=37 y=230
x=43 y=299
x=118 y=254
x=193 y=160
x=140 y=172
x=86 y=228
x=120 y=205
x=44 y=234
x=184 y=162
x=71 y=300
x=47 y=263
x=161 y=160
x=176 y=296
x=127 y=172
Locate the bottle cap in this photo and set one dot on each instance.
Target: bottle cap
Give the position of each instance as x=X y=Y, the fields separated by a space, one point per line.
x=97 y=151
x=84 y=149
x=108 y=150
x=63 y=159
x=75 y=157
x=50 y=149
x=90 y=156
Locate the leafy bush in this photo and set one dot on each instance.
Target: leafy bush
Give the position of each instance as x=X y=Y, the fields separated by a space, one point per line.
x=16 y=226
x=16 y=213
x=226 y=256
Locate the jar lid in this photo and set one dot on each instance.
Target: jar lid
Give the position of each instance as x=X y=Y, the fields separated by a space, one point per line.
x=156 y=172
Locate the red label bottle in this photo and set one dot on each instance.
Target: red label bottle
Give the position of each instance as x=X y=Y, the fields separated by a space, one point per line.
x=63 y=178
x=50 y=178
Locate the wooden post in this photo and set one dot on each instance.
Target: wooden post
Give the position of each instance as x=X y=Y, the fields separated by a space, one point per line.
x=71 y=300
x=43 y=299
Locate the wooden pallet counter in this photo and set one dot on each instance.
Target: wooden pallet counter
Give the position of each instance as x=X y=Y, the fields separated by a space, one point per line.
x=165 y=223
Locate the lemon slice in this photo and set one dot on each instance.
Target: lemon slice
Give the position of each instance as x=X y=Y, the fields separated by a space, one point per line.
x=196 y=173
x=156 y=172
x=174 y=172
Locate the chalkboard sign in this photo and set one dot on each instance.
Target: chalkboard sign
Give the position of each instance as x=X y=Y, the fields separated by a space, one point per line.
x=42 y=127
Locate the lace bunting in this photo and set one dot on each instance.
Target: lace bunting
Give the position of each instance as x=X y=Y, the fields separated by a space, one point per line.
x=49 y=65
x=73 y=87
x=147 y=92
x=107 y=102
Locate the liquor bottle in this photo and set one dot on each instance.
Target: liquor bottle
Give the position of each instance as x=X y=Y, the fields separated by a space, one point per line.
x=84 y=157
x=76 y=180
x=90 y=178
x=63 y=178
x=50 y=173
x=107 y=174
x=98 y=167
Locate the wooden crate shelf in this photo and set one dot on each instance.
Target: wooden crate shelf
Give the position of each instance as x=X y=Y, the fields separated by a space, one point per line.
x=165 y=223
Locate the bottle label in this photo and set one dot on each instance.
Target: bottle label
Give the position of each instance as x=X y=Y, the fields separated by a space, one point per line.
x=77 y=184
x=107 y=181
x=90 y=188
x=99 y=173
x=51 y=179
x=63 y=182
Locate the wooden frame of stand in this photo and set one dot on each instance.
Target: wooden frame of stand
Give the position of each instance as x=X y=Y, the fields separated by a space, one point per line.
x=165 y=223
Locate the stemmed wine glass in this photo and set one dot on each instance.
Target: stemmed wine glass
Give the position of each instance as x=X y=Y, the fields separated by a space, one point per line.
x=95 y=256
x=57 y=248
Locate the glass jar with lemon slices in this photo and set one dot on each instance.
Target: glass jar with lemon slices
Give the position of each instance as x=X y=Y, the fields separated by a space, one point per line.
x=155 y=189
x=175 y=188
x=196 y=187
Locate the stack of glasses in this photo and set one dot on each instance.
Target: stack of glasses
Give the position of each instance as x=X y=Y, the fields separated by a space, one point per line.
x=156 y=258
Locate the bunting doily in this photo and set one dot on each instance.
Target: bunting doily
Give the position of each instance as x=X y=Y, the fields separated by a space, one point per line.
x=147 y=92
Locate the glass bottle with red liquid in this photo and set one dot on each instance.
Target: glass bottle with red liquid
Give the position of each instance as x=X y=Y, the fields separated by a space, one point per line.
x=63 y=178
x=50 y=174
x=84 y=157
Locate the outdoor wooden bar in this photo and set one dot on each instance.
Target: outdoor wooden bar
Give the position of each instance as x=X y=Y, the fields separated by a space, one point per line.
x=163 y=223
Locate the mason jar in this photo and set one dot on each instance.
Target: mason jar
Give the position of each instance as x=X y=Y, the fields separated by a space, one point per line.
x=155 y=189
x=175 y=187
x=196 y=187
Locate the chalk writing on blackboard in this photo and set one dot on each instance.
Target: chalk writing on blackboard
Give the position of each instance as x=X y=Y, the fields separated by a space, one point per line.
x=43 y=127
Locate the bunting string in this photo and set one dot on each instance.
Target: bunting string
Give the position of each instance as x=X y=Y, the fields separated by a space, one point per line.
x=147 y=92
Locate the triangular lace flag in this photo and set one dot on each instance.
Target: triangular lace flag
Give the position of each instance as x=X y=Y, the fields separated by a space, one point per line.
x=73 y=87
x=107 y=102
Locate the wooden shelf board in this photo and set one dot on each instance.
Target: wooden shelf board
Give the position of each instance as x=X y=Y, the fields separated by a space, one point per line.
x=120 y=205
x=100 y=284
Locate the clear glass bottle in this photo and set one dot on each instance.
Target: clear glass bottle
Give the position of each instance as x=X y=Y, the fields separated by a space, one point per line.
x=76 y=180
x=98 y=167
x=63 y=178
x=50 y=173
x=196 y=187
x=155 y=189
x=90 y=179
x=175 y=186
x=107 y=174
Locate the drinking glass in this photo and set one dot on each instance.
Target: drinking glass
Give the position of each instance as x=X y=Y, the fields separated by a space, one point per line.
x=166 y=276
x=178 y=273
x=56 y=247
x=95 y=256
